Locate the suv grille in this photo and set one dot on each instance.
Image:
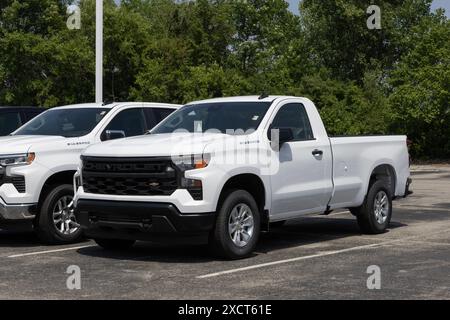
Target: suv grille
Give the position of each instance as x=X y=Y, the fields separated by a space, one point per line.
x=129 y=176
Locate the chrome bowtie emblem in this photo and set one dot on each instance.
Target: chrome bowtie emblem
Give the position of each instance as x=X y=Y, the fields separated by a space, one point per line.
x=153 y=184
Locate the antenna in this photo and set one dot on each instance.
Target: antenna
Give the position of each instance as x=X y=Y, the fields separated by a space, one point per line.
x=263 y=96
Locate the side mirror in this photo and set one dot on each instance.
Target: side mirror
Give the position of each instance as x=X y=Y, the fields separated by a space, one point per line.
x=284 y=135
x=114 y=134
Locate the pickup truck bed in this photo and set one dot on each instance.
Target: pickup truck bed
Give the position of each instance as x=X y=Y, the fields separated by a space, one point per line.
x=356 y=158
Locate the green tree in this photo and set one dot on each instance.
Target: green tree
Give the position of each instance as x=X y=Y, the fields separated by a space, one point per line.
x=421 y=90
x=338 y=37
x=364 y=81
x=41 y=62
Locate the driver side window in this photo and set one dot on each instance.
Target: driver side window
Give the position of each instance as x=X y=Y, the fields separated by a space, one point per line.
x=294 y=116
x=9 y=122
x=130 y=121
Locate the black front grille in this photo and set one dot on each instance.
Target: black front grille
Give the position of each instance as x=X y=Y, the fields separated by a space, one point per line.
x=129 y=176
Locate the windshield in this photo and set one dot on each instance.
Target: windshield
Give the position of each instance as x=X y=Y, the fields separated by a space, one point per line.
x=227 y=117
x=64 y=122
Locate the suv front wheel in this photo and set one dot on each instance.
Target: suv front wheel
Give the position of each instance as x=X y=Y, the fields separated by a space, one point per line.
x=237 y=226
x=56 y=223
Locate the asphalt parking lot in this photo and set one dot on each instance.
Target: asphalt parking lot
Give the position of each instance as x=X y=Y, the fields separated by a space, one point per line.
x=317 y=257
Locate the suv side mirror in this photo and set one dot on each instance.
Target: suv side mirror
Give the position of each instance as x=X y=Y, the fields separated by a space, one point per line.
x=284 y=135
x=114 y=134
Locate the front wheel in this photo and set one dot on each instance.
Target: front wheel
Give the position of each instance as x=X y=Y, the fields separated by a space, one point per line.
x=375 y=213
x=56 y=223
x=237 y=226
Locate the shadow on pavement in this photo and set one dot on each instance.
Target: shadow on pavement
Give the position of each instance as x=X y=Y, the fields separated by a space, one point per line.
x=23 y=237
x=147 y=251
x=295 y=233
x=311 y=230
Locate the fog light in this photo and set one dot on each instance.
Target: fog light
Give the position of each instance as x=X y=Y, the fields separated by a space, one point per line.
x=194 y=187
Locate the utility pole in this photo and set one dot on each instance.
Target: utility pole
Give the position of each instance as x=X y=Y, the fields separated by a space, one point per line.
x=99 y=51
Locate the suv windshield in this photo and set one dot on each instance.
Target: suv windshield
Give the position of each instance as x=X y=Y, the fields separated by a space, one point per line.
x=227 y=117
x=64 y=122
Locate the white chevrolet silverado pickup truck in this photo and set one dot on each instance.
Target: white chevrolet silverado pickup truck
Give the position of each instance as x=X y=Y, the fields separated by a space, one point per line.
x=38 y=161
x=226 y=169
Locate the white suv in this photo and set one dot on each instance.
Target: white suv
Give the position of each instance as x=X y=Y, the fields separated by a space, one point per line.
x=38 y=161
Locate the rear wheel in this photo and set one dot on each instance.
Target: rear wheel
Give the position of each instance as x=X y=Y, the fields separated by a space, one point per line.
x=56 y=222
x=237 y=226
x=115 y=244
x=375 y=213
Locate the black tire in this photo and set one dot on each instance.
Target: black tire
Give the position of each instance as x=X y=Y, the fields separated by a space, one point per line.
x=366 y=214
x=115 y=244
x=44 y=225
x=220 y=240
x=278 y=224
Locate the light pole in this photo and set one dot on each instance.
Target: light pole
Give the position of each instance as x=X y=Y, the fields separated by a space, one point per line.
x=99 y=51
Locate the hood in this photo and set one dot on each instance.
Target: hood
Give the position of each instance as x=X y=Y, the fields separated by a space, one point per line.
x=156 y=145
x=22 y=144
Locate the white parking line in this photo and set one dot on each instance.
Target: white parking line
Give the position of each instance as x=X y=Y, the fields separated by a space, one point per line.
x=273 y=263
x=49 y=251
x=322 y=254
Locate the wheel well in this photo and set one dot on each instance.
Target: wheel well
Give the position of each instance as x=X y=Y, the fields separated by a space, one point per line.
x=59 y=178
x=386 y=173
x=248 y=182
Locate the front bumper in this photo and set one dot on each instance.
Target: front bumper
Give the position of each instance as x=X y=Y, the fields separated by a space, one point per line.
x=139 y=220
x=16 y=211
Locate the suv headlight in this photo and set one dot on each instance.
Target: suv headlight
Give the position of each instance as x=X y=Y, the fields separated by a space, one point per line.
x=17 y=159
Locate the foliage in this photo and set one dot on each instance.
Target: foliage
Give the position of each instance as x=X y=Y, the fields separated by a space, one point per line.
x=421 y=90
x=393 y=80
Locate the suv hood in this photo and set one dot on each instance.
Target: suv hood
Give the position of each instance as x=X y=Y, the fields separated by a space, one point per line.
x=22 y=144
x=157 y=145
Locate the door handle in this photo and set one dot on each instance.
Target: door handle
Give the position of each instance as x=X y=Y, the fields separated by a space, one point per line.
x=317 y=152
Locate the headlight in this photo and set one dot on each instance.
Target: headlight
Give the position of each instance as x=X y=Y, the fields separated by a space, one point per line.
x=191 y=162
x=17 y=159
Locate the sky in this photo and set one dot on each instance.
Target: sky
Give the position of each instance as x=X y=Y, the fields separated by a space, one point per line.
x=293 y=5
